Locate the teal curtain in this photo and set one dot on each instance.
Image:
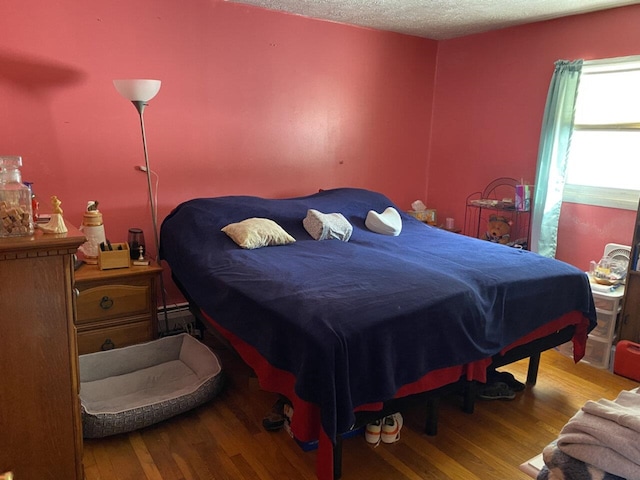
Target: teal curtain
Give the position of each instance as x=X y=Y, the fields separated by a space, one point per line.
x=555 y=138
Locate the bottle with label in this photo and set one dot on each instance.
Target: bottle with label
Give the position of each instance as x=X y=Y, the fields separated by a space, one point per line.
x=16 y=212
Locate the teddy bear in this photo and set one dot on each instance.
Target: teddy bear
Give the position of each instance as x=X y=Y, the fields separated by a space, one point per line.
x=498 y=229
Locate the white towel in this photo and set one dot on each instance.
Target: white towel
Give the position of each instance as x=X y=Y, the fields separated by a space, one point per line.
x=609 y=439
x=624 y=410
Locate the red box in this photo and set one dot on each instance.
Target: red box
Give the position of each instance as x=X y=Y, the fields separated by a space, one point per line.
x=627 y=360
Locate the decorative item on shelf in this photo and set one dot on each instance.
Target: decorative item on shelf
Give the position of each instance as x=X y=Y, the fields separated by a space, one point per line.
x=137 y=247
x=56 y=223
x=139 y=92
x=136 y=243
x=35 y=205
x=93 y=230
x=16 y=212
x=498 y=229
x=523 y=197
x=140 y=261
x=608 y=271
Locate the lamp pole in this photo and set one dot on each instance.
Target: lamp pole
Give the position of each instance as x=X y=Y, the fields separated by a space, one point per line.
x=139 y=92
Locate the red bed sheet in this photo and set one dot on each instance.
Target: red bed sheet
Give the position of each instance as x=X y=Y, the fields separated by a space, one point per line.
x=306 y=425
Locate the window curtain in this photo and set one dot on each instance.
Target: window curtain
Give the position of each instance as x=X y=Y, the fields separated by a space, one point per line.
x=555 y=138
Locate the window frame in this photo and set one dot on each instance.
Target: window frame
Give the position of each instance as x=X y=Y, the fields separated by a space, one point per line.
x=625 y=199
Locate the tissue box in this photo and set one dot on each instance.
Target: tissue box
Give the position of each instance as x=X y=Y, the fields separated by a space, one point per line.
x=427 y=216
x=116 y=258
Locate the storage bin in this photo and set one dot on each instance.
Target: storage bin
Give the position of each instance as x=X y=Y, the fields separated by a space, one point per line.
x=597 y=354
x=627 y=360
x=566 y=349
x=603 y=303
x=606 y=324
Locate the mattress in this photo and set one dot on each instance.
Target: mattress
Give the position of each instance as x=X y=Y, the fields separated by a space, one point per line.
x=353 y=322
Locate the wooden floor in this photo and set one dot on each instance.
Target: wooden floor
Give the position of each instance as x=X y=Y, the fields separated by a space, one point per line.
x=224 y=439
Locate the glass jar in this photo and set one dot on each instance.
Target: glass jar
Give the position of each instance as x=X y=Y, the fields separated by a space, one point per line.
x=16 y=213
x=136 y=244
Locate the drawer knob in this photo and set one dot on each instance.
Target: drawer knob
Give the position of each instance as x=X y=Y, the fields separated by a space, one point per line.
x=106 y=303
x=107 y=345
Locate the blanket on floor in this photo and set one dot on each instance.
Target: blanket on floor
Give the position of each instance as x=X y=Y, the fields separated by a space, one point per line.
x=606 y=434
x=560 y=466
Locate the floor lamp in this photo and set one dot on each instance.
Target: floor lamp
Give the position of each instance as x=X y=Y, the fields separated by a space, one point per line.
x=139 y=92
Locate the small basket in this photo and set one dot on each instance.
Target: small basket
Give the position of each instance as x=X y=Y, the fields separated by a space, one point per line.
x=116 y=258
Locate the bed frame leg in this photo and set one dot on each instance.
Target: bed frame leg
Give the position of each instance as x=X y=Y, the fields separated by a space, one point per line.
x=532 y=372
x=431 y=425
x=469 y=399
x=337 y=458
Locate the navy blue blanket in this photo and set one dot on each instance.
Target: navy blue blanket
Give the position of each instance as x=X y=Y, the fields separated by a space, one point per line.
x=354 y=321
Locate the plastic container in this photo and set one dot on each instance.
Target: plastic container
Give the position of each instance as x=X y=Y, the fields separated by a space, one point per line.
x=597 y=352
x=627 y=360
x=16 y=212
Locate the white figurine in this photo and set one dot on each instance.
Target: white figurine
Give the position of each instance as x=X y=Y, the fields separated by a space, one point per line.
x=56 y=224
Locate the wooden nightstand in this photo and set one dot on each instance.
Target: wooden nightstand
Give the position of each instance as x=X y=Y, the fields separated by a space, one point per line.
x=116 y=307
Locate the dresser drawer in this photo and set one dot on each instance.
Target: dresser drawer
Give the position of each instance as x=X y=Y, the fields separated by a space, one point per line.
x=110 y=301
x=114 y=337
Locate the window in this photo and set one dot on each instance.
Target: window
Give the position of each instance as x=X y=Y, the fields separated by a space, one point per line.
x=603 y=166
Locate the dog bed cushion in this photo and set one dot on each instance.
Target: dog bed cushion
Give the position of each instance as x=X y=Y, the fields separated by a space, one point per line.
x=128 y=388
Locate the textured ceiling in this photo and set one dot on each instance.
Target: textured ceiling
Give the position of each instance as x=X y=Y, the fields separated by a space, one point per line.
x=436 y=19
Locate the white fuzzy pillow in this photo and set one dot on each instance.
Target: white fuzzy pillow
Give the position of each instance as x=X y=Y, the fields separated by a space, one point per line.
x=386 y=223
x=257 y=232
x=324 y=226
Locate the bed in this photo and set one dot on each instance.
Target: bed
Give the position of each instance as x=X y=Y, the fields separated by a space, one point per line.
x=347 y=326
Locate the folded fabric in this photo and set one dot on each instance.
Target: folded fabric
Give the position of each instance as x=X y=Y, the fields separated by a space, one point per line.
x=560 y=466
x=324 y=226
x=602 y=442
x=624 y=410
x=386 y=223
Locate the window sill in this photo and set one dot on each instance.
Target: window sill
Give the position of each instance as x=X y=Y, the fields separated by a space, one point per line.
x=602 y=197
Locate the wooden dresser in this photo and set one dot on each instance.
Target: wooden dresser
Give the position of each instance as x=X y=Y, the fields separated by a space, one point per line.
x=40 y=423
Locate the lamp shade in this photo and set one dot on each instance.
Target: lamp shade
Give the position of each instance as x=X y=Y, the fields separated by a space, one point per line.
x=141 y=90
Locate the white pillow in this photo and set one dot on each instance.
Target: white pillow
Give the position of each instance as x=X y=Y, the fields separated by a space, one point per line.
x=386 y=223
x=323 y=226
x=257 y=232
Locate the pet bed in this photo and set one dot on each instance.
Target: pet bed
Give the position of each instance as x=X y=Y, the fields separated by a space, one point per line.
x=128 y=388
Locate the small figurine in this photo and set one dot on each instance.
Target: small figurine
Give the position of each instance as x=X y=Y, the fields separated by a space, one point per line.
x=55 y=203
x=56 y=224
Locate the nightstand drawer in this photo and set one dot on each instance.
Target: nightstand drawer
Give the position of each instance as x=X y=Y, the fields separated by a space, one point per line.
x=110 y=301
x=114 y=337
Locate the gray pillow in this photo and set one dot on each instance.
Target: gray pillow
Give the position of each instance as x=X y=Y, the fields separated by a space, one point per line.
x=324 y=226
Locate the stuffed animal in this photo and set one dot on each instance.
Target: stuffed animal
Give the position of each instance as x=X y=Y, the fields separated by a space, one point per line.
x=498 y=229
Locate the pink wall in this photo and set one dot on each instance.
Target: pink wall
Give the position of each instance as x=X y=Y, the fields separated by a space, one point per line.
x=252 y=102
x=491 y=90
x=264 y=103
